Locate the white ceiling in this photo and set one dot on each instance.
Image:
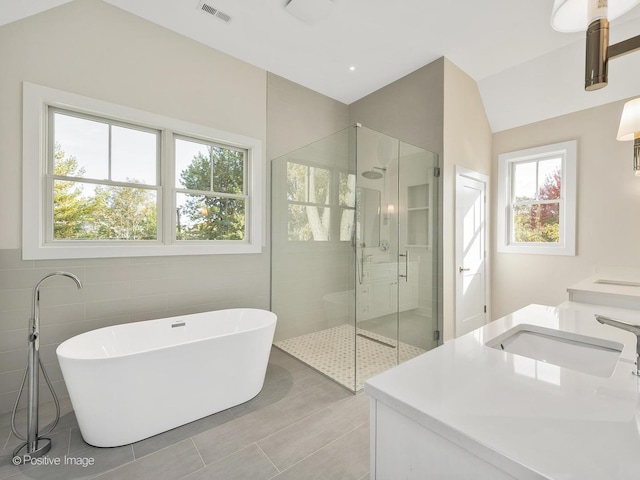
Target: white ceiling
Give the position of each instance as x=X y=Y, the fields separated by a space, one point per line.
x=525 y=70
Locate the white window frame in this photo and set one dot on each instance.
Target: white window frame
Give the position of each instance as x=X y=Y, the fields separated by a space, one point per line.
x=567 y=151
x=36 y=102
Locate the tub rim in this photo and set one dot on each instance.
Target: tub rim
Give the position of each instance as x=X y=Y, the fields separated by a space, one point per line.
x=271 y=316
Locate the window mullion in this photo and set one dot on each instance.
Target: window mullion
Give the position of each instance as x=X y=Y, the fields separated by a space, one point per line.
x=167 y=160
x=523 y=203
x=107 y=183
x=109 y=153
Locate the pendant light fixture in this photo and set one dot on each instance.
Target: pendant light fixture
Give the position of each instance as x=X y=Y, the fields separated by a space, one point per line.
x=594 y=16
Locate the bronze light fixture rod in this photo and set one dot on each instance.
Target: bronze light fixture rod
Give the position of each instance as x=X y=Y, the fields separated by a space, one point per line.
x=598 y=53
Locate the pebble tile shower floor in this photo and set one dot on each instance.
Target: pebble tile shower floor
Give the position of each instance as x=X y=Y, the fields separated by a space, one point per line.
x=301 y=426
x=332 y=351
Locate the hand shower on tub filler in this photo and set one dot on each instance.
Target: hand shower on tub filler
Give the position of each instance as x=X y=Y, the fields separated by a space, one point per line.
x=34 y=444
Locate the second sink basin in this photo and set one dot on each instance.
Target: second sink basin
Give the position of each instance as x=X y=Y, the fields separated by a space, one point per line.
x=592 y=355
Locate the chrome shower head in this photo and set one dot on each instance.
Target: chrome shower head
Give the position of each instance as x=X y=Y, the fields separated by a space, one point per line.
x=373 y=175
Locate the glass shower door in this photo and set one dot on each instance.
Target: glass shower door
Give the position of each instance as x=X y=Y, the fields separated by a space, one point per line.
x=395 y=253
x=417 y=265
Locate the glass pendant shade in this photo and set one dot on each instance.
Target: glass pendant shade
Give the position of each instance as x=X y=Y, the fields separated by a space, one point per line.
x=573 y=15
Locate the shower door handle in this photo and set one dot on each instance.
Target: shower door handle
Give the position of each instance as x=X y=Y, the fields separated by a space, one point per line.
x=406 y=265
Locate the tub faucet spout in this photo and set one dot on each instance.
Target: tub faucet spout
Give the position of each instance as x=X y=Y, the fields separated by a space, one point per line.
x=635 y=329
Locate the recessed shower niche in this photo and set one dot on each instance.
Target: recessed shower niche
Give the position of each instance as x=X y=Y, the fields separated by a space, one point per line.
x=354 y=266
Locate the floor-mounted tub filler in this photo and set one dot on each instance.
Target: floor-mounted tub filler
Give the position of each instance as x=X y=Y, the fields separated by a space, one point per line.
x=132 y=381
x=35 y=443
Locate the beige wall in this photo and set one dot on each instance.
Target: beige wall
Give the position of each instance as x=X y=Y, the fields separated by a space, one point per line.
x=298 y=116
x=467 y=143
x=90 y=48
x=303 y=273
x=608 y=201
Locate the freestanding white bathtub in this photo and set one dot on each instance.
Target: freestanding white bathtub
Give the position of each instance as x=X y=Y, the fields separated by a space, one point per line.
x=129 y=382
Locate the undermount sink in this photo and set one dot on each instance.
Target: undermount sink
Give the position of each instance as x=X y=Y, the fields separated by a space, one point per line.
x=592 y=355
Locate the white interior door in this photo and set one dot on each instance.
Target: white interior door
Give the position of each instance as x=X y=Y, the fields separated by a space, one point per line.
x=471 y=268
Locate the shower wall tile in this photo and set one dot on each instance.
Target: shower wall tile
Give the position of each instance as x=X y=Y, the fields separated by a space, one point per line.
x=12 y=259
x=126 y=306
x=89 y=293
x=13 y=360
x=14 y=299
x=14 y=319
x=62 y=314
x=144 y=316
x=117 y=273
x=116 y=291
x=80 y=262
x=10 y=381
x=143 y=288
x=27 y=278
x=47 y=353
x=13 y=339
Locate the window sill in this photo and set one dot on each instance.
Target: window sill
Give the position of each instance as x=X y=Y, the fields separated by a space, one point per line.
x=54 y=252
x=538 y=250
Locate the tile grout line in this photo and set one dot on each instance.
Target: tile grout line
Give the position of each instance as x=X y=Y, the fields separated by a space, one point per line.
x=6 y=443
x=98 y=475
x=268 y=458
x=204 y=465
x=321 y=448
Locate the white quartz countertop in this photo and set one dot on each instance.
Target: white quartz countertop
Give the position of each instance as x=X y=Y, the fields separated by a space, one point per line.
x=617 y=285
x=530 y=418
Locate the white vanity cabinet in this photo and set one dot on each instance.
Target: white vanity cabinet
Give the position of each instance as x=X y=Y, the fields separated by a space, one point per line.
x=403 y=448
x=469 y=410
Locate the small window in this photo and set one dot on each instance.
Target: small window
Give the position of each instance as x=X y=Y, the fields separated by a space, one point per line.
x=104 y=180
x=537 y=200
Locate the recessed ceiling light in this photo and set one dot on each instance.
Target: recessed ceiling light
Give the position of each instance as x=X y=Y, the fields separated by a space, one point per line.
x=352 y=68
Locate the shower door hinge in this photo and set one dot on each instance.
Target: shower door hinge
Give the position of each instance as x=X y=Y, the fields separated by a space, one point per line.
x=436 y=172
x=436 y=335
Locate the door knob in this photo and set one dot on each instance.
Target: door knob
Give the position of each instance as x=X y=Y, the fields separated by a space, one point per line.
x=463 y=269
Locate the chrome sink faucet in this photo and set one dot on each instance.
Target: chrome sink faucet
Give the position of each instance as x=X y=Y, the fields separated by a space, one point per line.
x=635 y=329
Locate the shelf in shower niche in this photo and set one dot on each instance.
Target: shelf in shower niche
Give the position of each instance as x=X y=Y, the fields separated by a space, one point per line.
x=418 y=196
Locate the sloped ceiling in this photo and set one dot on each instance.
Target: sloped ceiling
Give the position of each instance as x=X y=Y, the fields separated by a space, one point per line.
x=525 y=70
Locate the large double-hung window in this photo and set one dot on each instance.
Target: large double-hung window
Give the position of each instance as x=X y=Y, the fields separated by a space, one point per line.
x=102 y=180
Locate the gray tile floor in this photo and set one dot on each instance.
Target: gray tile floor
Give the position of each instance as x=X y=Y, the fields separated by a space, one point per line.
x=301 y=426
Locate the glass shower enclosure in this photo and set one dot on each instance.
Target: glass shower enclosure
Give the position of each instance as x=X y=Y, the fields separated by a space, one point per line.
x=354 y=266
